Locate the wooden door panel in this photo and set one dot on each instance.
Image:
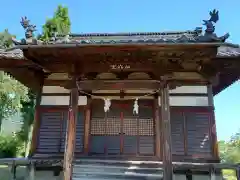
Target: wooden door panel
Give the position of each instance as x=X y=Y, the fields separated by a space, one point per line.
x=97 y=135
x=50 y=132
x=130 y=144
x=130 y=132
x=79 y=133
x=113 y=145
x=198 y=133
x=146 y=145
x=177 y=131
x=122 y=132
x=146 y=128
x=97 y=145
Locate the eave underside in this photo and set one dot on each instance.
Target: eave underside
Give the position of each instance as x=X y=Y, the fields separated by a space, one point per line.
x=184 y=65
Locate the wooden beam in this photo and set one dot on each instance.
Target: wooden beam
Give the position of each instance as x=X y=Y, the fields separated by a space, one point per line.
x=122 y=84
x=32 y=175
x=13 y=63
x=87 y=125
x=166 y=128
x=36 y=121
x=30 y=78
x=119 y=84
x=157 y=126
x=213 y=125
x=71 y=132
x=238 y=173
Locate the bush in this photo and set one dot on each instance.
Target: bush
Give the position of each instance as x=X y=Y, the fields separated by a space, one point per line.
x=9 y=146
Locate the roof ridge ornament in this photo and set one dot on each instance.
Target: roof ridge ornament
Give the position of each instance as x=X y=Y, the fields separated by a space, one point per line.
x=29 y=32
x=210 y=35
x=194 y=36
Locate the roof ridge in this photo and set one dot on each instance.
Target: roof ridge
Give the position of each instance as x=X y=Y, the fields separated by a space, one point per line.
x=132 y=33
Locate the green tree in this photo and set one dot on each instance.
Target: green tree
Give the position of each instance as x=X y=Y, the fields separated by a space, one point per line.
x=27 y=112
x=230 y=150
x=60 y=23
x=5 y=39
x=12 y=93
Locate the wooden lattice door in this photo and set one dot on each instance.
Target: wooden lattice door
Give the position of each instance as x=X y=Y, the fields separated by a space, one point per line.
x=119 y=131
x=146 y=128
x=105 y=130
x=138 y=129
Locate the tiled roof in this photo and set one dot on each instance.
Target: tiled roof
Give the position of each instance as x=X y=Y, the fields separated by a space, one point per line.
x=136 y=38
x=13 y=54
x=224 y=51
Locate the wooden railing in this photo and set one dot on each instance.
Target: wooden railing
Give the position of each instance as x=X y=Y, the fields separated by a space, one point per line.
x=212 y=168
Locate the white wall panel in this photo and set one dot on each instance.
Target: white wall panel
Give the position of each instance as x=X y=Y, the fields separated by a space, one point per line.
x=61 y=100
x=190 y=89
x=187 y=101
x=54 y=89
x=125 y=97
x=182 y=89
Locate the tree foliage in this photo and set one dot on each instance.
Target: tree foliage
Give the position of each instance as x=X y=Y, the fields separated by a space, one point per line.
x=60 y=23
x=230 y=150
x=27 y=112
x=12 y=93
x=5 y=39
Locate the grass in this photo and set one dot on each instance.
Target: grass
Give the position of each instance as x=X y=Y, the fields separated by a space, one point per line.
x=229 y=174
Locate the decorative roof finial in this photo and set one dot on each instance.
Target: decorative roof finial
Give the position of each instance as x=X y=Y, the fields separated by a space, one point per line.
x=209 y=35
x=29 y=28
x=210 y=28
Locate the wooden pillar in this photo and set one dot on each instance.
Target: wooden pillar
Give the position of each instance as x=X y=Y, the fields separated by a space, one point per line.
x=157 y=126
x=213 y=124
x=238 y=172
x=166 y=129
x=32 y=171
x=71 y=132
x=36 y=121
x=87 y=125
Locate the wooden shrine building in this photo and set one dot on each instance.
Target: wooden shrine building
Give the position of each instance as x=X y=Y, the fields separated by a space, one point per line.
x=112 y=98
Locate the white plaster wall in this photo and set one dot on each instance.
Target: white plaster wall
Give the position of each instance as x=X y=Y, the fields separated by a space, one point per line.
x=54 y=89
x=62 y=100
x=182 y=89
x=186 y=101
x=190 y=89
x=125 y=98
x=174 y=100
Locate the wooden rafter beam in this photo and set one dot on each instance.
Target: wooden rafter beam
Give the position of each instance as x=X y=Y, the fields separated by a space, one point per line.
x=31 y=79
x=121 y=84
x=8 y=63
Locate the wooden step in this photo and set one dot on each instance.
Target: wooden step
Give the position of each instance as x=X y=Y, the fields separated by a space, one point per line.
x=113 y=169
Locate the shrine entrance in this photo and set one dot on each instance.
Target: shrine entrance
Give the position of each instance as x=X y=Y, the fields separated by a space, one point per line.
x=120 y=131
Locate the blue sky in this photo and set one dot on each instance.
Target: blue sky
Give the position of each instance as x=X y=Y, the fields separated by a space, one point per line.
x=89 y=16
